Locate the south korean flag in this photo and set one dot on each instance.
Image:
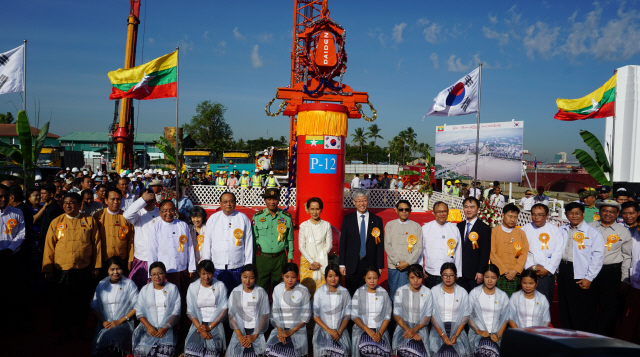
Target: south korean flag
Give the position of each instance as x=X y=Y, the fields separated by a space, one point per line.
x=332 y=142
x=11 y=70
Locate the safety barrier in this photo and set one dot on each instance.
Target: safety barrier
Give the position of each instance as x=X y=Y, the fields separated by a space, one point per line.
x=382 y=198
x=210 y=195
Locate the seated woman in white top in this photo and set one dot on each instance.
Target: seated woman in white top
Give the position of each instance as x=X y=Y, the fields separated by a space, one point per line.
x=412 y=306
x=206 y=308
x=248 y=316
x=113 y=306
x=315 y=241
x=528 y=307
x=158 y=309
x=331 y=314
x=489 y=315
x=449 y=315
x=371 y=313
x=290 y=314
x=197 y=227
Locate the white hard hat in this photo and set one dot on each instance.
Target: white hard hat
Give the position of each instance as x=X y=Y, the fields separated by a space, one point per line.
x=93 y=176
x=173 y=172
x=165 y=173
x=61 y=176
x=491 y=184
x=136 y=170
x=257 y=170
x=270 y=172
x=99 y=173
x=197 y=170
x=123 y=174
x=68 y=169
x=131 y=175
x=38 y=177
x=75 y=169
x=85 y=172
x=134 y=179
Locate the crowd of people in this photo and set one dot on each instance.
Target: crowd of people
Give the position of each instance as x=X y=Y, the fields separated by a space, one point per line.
x=164 y=279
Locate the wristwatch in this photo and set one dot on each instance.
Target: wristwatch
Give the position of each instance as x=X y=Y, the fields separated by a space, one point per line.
x=398 y=263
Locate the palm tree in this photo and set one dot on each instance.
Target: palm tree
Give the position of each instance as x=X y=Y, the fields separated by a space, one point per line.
x=359 y=138
x=407 y=138
x=373 y=133
x=424 y=149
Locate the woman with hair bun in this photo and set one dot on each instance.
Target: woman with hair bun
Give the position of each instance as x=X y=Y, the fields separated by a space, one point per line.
x=412 y=307
x=331 y=314
x=315 y=240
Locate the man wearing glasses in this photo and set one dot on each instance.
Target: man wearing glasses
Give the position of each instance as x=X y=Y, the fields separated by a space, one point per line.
x=403 y=245
x=72 y=253
x=582 y=259
x=545 y=249
x=440 y=244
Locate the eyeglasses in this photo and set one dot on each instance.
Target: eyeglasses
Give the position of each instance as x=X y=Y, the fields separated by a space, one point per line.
x=575 y=214
x=404 y=209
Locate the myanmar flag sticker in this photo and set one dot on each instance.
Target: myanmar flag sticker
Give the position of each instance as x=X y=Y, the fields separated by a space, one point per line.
x=314 y=140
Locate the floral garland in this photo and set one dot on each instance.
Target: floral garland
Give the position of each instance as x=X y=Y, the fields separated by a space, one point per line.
x=491 y=215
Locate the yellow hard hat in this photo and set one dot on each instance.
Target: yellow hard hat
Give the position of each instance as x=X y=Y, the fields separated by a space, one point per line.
x=448 y=182
x=457 y=181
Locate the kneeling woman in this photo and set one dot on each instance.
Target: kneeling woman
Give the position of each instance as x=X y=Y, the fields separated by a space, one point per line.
x=449 y=315
x=528 y=307
x=206 y=308
x=331 y=314
x=158 y=309
x=248 y=316
x=489 y=315
x=412 y=306
x=371 y=313
x=290 y=314
x=113 y=306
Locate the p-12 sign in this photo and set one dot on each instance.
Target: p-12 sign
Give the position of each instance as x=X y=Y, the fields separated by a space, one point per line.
x=322 y=164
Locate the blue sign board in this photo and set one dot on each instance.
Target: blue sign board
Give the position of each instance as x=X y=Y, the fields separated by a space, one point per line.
x=322 y=164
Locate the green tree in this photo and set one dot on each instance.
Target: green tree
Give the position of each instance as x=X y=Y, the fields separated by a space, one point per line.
x=598 y=167
x=7 y=118
x=402 y=143
x=359 y=138
x=208 y=128
x=425 y=150
x=374 y=132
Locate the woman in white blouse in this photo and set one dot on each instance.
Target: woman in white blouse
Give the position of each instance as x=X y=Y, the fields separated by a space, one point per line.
x=315 y=240
x=113 y=306
x=206 y=308
x=412 y=311
x=489 y=315
x=528 y=307
x=331 y=314
x=198 y=219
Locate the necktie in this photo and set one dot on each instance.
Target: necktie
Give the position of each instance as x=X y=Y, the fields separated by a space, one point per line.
x=363 y=237
x=466 y=236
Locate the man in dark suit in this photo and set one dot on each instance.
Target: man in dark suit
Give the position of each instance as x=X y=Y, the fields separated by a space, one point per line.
x=361 y=242
x=474 y=256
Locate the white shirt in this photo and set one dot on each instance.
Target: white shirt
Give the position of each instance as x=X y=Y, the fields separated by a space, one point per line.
x=112 y=297
x=335 y=320
x=496 y=200
x=372 y=312
x=373 y=184
x=366 y=220
x=365 y=183
x=393 y=184
x=249 y=308
x=544 y=199
x=220 y=244
x=127 y=201
x=164 y=243
x=287 y=310
x=206 y=301
x=435 y=249
x=142 y=221
x=547 y=258
x=161 y=303
x=488 y=305
x=526 y=312
x=475 y=192
x=14 y=240
x=526 y=203
x=587 y=262
x=448 y=307
x=355 y=183
x=467 y=227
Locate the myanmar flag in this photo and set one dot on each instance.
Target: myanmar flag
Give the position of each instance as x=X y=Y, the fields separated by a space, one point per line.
x=153 y=80
x=314 y=140
x=599 y=104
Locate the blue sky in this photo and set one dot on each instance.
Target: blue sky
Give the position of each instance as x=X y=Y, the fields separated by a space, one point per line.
x=402 y=53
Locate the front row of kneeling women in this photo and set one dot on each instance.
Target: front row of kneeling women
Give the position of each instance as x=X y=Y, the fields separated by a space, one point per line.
x=447 y=306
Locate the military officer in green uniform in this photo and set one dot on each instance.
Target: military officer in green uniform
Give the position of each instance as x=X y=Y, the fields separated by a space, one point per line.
x=272 y=233
x=591 y=212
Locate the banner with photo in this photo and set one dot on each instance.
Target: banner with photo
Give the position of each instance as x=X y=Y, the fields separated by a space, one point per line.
x=500 y=151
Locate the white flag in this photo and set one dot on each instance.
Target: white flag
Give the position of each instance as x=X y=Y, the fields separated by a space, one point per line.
x=332 y=142
x=11 y=70
x=459 y=99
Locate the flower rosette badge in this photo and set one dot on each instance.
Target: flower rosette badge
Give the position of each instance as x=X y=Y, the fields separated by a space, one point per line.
x=11 y=224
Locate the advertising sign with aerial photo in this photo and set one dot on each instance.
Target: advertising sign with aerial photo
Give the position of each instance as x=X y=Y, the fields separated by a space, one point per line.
x=500 y=151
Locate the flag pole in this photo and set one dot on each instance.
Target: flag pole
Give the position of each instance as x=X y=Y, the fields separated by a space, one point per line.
x=475 y=178
x=177 y=149
x=24 y=77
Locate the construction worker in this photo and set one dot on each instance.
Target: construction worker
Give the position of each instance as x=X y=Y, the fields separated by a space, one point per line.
x=244 y=179
x=256 y=182
x=232 y=181
x=455 y=191
x=221 y=180
x=271 y=181
x=448 y=189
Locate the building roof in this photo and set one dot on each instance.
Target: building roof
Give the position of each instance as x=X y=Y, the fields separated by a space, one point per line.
x=79 y=136
x=10 y=130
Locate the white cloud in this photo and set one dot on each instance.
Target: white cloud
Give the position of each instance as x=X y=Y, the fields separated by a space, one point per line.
x=493 y=19
x=151 y=40
x=206 y=35
x=221 y=49
x=455 y=64
x=432 y=32
x=620 y=37
x=237 y=34
x=377 y=33
x=265 y=37
x=543 y=41
x=256 y=60
x=399 y=63
x=185 y=44
x=503 y=38
x=434 y=59
x=422 y=21
x=396 y=33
